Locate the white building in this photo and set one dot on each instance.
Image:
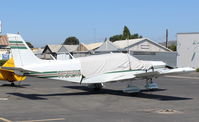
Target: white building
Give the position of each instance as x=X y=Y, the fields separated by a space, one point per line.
x=188 y=49
x=138 y=45
x=59 y=52
x=143 y=49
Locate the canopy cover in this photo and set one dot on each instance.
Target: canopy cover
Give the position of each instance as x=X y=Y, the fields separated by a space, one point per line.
x=98 y=64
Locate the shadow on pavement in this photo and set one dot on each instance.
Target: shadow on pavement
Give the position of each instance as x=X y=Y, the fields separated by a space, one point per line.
x=86 y=91
x=16 y=85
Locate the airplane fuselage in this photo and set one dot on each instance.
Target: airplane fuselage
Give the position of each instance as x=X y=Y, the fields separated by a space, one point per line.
x=68 y=70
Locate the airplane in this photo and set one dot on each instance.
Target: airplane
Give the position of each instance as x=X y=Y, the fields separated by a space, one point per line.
x=9 y=75
x=91 y=70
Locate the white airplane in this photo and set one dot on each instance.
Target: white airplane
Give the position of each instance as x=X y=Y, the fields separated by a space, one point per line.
x=92 y=70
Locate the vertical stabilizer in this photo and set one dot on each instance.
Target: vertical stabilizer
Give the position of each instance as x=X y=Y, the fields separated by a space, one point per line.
x=22 y=54
x=9 y=63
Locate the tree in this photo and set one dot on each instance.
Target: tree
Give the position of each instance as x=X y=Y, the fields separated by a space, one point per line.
x=126 y=35
x=71 y=41
x=115 y=38
x=172 y=47
x=135 y=36
x=29 y=45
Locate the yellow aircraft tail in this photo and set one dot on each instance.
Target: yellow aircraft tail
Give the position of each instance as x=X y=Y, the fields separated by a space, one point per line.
x=9 y=75
x=9 y=63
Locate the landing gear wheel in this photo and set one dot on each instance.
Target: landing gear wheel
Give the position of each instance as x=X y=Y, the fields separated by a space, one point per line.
x=13 y=84
x=96 y=86
x=150 y=84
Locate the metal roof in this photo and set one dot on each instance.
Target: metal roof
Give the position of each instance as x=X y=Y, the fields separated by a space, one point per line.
x=122 y=44
x=125 y=43
x=189 y=33
x=4 y=40
x=93 y=46
x=54 y=48
x=71 y=48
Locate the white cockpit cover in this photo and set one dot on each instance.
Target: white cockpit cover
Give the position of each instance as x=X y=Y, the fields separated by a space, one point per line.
x=98 y=64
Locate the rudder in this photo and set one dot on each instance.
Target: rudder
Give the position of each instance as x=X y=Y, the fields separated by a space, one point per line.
x=22 y=54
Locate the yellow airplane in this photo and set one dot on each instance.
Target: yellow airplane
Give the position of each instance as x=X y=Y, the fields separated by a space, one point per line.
x=9 y=75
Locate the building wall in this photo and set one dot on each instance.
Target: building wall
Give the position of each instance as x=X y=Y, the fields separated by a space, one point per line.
x=147 y=46
x=82 y=48
x=107 y=46
x=62 y=50
x=65 y=56
x=168 y=57
x=188 y=49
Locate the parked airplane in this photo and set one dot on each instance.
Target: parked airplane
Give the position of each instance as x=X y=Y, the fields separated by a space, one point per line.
x=9 y=75
x=92 y=70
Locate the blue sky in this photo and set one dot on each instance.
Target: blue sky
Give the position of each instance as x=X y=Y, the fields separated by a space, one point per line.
x=44 y=22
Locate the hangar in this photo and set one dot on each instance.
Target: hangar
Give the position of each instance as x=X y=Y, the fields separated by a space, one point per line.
x=188 y=49
x=142 y=48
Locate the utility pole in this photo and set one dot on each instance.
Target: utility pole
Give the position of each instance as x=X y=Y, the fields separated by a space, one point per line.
x=166 y=38
x=0 y=27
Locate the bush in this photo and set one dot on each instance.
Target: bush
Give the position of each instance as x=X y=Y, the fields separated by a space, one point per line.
x=197 y=70
x=2 y=62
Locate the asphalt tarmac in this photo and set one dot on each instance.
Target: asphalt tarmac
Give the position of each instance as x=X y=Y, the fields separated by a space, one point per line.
x=43 y=100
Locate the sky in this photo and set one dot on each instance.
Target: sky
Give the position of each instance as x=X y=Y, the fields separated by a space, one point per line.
x=44 y=22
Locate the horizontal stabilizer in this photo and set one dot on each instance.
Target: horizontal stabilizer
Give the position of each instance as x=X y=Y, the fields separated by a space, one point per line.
x=16 y=70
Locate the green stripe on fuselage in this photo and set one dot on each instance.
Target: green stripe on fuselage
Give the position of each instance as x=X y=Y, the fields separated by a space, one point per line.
x=15 y=42
x=46 y=76
x=123 y=71
x=32 y=73
x=50 y=74
x=13 y=47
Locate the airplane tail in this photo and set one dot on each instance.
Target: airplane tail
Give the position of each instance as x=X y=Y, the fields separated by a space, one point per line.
x=22 y=54
x=9 y=63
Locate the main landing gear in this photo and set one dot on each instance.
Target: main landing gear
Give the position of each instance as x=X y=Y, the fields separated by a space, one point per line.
x=131 y=89
x=12 y=84
x=150 y=84
x=96 y=86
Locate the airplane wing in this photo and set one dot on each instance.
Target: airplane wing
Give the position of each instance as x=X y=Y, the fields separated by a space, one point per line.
x=176 y=71
x=107 y=77
x=123 y=75
x=164 y=71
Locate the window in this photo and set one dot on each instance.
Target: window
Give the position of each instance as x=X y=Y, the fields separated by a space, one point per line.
x=144 y=46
